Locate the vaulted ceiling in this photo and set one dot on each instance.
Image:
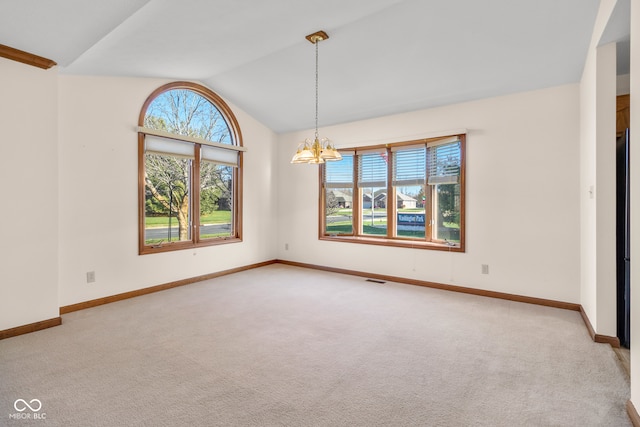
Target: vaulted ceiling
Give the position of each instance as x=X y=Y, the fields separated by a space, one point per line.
x=382 y=57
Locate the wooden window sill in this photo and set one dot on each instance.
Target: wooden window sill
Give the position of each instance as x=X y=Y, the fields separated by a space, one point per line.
x=399 y=243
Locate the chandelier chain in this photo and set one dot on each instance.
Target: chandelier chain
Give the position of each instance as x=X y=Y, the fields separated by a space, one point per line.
x=316 y=152
x=316 y=89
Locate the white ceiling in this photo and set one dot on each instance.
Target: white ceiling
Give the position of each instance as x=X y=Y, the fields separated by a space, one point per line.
x=382 y=57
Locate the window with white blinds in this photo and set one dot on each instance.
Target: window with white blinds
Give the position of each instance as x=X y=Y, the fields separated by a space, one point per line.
x=415 y=201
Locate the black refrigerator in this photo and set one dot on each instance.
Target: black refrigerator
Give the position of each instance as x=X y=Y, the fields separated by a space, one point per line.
x=623 y=256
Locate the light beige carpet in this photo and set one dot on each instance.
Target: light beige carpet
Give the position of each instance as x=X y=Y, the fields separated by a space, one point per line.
x=286 y=346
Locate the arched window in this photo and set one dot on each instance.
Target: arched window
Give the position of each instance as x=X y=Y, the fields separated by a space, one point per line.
x=190 y=170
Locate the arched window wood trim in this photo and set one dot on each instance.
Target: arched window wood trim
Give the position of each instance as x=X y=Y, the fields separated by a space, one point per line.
x=236 y=138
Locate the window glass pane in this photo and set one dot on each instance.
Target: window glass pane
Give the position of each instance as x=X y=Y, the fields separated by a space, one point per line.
x=339 y=174
x=444 y=163
x=167 y=199
x=372 y=169
x=372 y=183
x=409 y=174
x=338 y=211
x=374 y=210
x=338 y=184
x=410 y=166
x=216 y=200
x=446 y=212
x=410 y=214
x=184 y=112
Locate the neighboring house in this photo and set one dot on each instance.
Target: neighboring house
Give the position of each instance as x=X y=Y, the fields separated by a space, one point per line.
x=379 y=200
x=403 y=201
x=344 y=200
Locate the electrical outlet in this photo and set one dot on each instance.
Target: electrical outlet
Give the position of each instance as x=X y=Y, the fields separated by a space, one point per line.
x=91 y=276
x=485 y=268
x=286 y=246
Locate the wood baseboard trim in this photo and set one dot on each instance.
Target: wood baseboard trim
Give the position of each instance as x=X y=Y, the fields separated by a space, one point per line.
x=604 y=339
x=31 y=327
x=587 y=323
x=461 y=289
x=633 y=414
x=132 y=294
x=25 y=57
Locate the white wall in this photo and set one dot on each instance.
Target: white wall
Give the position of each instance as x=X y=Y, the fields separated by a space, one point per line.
x=98 y=194
x=29 y=214
x=635 y=204
x=605 y=194
x=597 y=180
x=623 y=84
x=522 y=196
x=588 y=265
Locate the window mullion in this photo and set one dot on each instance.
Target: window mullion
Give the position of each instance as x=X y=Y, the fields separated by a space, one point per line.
x=356 y=206
x=391 y=198
x=195 y=199
x=428 y=204
x=237 y=199
x=322 y=224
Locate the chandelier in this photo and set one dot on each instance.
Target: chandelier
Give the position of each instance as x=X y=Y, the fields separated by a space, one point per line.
x=318 y=150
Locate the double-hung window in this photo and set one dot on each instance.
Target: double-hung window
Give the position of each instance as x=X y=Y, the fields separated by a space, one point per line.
x=407 y=194
x=190 y=170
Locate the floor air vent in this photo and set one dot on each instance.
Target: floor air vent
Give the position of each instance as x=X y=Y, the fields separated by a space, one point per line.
x=375 y=281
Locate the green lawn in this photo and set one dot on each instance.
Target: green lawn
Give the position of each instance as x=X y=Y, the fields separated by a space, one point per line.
x=217 y=217
x=209 y=236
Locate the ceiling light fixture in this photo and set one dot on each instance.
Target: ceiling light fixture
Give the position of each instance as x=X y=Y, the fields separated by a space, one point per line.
x=319 y=150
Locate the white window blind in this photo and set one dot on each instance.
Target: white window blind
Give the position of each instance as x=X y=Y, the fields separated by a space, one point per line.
x=167 y=146
x=372 y=169
x=165 y=143
x=339 y=174
x=409 y=166
x=219 y=156
x=444 y=162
